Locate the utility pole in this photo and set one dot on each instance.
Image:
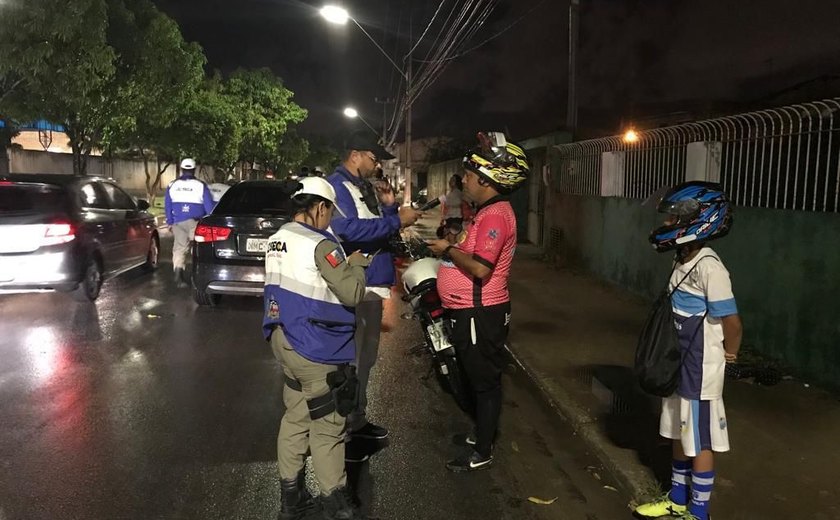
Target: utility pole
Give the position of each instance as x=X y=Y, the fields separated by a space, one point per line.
x=384 y=102
x=571 y=109
x=407 y=191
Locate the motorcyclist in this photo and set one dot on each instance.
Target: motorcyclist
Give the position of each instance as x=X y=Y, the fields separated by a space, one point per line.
x=473 y=284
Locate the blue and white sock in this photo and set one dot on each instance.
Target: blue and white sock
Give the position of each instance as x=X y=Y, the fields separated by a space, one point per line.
x=701 y=492
x=680 y=471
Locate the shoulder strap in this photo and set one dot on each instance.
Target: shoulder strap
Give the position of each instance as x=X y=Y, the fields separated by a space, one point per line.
x=671 y=292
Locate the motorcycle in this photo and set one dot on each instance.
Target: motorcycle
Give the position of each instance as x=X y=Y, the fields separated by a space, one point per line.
x=420 y=283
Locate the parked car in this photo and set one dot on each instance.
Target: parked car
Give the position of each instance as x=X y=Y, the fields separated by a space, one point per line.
x=228 y=256
x=68 y=234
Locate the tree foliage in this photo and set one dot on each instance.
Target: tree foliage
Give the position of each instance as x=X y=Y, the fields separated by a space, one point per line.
x=61 y=66
x=265 y=110
x=118 y=75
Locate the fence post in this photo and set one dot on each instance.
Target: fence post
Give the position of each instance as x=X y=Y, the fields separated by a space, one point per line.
x=612 y=174
x=702 y=161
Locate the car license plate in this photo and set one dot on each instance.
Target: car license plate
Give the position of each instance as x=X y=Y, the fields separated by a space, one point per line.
x=439 y=339
x=256 y=245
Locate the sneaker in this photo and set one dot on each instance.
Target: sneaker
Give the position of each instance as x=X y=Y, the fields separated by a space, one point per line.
x=356 y=452
x=662 y=506
x=370 y=431
x=471 y=462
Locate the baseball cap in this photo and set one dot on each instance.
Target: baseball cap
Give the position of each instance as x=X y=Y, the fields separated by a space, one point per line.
x=188 y=164
x=363 y=140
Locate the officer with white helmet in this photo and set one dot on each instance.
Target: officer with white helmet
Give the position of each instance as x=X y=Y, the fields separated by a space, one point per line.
x=311 y=289
x=187 y=200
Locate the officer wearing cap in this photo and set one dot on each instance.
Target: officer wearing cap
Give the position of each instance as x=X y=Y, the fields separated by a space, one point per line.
x=370 y=216
x=187 y=200
x=311 y=288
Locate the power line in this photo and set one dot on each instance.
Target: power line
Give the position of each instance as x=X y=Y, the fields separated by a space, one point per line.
x=493 y=37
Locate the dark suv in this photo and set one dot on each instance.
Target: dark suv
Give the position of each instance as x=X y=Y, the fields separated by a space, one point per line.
x=228 y=256
x=66 y=233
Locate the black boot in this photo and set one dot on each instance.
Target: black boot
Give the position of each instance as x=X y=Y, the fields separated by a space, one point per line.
x=339 y=506
x=295 y=500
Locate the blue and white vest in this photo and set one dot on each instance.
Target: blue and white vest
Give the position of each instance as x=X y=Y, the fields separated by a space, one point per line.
x=187 y=198
x=298 y=298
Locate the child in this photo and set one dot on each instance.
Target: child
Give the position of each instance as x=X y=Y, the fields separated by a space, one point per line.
x=709 y=331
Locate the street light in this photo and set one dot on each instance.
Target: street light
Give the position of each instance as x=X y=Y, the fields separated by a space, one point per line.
x=335 y=14
x=630 y=136
x=352 y=113
x=339 y=16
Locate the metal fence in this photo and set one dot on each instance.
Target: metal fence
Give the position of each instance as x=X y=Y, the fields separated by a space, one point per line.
x=786 y=158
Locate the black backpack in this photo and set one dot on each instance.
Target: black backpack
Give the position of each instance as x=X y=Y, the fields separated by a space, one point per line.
x=658 y=354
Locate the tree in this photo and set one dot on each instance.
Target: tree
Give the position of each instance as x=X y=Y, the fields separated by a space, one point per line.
x=157 y=78
x=322 y=154
x=290 y=153
x=56 y=55
x=265 y=110
x=208 y=129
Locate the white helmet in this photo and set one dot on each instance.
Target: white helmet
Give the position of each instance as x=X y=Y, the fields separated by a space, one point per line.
x=317 y=186
x=188 y=164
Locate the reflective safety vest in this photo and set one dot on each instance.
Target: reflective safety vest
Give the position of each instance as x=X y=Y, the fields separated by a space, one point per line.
x=187 y=198
x=298 y=298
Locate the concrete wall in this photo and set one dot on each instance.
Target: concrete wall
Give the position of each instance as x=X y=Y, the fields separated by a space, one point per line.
x=784 y=267
x=129 y=174
x=437 y=180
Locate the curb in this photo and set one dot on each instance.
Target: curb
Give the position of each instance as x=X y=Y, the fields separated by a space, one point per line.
x=630 y=474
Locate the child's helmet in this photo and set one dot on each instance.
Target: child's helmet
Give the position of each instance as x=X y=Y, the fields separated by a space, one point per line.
x=702 y=212
x=501 y=163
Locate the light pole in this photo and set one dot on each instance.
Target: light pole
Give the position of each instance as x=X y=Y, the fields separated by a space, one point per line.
x=352 y=113
x=571 y=107
x=338 y=15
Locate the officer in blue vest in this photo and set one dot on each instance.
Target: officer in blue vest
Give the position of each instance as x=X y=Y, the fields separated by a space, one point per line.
x=311 y=289
x=187 y=200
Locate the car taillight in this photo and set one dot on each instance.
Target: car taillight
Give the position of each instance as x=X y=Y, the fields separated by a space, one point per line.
x=205 y=233
x=58 y=233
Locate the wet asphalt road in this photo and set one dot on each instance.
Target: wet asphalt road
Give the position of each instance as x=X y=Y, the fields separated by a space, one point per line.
x=146 y=406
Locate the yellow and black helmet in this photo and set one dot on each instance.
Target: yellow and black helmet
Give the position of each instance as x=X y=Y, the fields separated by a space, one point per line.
x=503 y=164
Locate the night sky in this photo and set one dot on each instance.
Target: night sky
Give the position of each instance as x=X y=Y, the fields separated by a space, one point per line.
x=637 y=58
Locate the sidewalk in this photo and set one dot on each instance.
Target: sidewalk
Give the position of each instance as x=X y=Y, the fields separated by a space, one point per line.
x=576 y=338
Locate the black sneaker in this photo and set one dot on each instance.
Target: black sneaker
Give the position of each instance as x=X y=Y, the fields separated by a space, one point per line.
x=470 y=462
x=356 y=452
x=370 y=431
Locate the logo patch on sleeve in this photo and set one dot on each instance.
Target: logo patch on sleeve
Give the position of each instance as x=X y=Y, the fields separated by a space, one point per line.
x=336 y=257
x=493 y=234
x=273 y=312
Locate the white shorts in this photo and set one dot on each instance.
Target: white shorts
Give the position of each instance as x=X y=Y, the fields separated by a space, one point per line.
x=699 y=425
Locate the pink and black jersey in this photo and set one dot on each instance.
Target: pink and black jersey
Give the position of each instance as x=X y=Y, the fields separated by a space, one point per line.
x=491 y=239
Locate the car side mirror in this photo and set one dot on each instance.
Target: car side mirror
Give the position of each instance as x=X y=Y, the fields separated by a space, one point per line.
x=142 y=205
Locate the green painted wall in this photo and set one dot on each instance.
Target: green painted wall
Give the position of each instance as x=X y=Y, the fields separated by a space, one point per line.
x=785 y=268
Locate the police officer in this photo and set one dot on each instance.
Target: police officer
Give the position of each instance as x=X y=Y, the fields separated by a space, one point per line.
x=369 y=217
x=311 y=289
x=473 y=285
x=187 y=200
